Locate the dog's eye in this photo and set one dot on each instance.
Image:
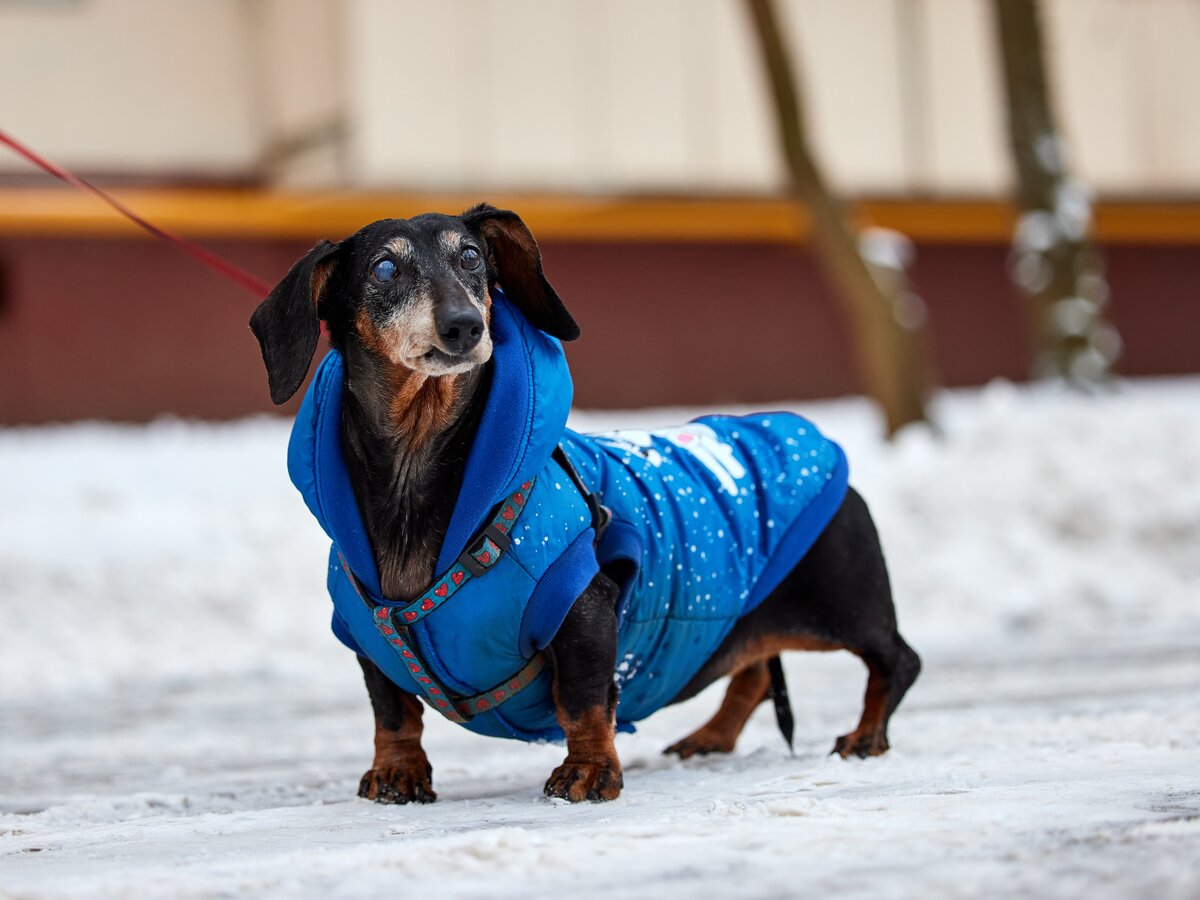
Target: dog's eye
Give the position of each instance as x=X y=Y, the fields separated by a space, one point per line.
x=384 y=271
x=471 y=259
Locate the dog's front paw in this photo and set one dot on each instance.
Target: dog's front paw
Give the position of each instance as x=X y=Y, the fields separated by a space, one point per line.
x=596 y=779
x=398 y=784
x=873 y=743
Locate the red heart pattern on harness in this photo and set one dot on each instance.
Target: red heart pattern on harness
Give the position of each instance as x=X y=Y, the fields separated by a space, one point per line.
x=488 y=553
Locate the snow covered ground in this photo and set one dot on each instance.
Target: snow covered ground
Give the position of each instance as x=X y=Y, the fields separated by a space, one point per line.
x=176 y=721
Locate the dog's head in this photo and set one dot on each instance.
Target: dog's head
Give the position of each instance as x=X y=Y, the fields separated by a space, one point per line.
x=413 y=292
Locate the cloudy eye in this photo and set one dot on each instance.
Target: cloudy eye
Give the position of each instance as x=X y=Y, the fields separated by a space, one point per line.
x=471 y=259
x=384 y=271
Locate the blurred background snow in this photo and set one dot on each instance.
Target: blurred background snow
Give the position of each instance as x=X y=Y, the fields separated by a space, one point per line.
x=179 y=551
x=177 y=719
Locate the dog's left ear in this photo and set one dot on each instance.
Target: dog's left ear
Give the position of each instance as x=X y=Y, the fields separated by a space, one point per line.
x=518 y=263
x=287 y=324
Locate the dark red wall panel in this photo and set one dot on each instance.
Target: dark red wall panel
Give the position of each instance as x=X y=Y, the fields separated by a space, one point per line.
x=130 y=328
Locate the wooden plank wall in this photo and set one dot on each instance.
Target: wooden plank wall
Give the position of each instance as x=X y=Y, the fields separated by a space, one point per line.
x=904 y=95
x=604 y=96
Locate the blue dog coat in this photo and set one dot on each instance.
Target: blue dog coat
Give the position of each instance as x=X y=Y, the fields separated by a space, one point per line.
x=707 y=519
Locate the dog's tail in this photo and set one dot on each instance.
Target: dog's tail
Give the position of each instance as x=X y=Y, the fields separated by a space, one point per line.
x=783 y=706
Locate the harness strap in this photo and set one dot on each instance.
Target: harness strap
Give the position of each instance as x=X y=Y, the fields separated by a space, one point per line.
x=601 y=514
x=469 y=707
x=394 y=621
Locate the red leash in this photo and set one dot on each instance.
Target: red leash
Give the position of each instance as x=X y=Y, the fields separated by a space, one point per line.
x=221 y=266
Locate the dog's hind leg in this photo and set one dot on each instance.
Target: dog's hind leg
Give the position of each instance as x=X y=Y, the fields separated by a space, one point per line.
x=747 y=689
x=890 y=673
x=836 y=598
x=745 y=653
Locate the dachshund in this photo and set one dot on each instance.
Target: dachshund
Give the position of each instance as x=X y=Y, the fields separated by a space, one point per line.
x=409 y=305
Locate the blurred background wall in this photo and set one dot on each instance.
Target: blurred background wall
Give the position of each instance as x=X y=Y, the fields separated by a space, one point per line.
x=635 y=136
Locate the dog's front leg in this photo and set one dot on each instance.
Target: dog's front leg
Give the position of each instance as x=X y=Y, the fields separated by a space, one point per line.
x=400 y=772
x=584 y=656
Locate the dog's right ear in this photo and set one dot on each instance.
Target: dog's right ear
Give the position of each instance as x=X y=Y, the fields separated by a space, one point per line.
x=286 y=323
x=518 y=264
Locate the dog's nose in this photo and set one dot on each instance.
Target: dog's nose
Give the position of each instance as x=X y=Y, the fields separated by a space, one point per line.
x=460 y=329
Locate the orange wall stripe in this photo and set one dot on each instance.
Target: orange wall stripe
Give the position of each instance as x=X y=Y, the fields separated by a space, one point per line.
x=304 y=216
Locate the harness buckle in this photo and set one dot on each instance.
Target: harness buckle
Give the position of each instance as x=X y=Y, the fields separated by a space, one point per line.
x=477 y=558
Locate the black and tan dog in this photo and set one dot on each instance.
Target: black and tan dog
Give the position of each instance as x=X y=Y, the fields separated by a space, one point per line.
x=408 y=305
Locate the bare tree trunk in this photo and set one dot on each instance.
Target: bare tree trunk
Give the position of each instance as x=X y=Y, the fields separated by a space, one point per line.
x=888 y=354
x=1053 y=263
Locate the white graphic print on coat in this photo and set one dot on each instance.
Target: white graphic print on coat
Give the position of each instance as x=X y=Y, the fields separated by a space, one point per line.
x=698 y=440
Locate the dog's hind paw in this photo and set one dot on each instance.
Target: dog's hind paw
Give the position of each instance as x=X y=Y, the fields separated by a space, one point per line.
x=703 y=742
x=578 y=781
x=873 y=743
x=398 y=785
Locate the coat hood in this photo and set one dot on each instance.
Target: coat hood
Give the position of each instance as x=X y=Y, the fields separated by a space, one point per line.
x=524 y=417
